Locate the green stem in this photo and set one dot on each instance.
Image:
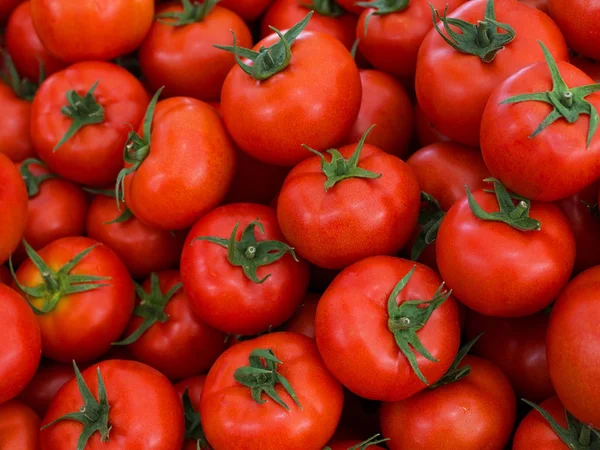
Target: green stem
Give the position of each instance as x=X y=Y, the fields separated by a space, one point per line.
x=192 y=13
x=32 y=181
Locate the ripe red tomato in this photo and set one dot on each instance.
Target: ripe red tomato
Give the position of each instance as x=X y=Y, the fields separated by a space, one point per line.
x=140 y=406
x=6 y=7
x=477 y=412
x=351 y=6
x=229 y=291
x=535 y=433
x=44 y=385
x=365 y=297
x=19 y=427
x=441 y=70
x=85 y=302
x=249 y=10
x=303 y=321
x=13 y=207
x=573 y=347
x=589 y=66
x=296 y=408
x=21 y=344
x=577 y=20
x=426 y=133
x=15 y=141
x=542 y=5
x=113 y=29
x=191 y=410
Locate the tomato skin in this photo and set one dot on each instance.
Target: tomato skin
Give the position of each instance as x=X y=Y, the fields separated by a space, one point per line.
x=572 y=347
x=477 y=412
x=19 y=427
x=44 y=385
x=319 y=93
x=233 y=420
x=472 y=258
x=15 y=141
x=249 y=10
x=542 y=5
x=238 y=305
x=13 y=208
x=426 y=133
x=350 y=6
x=118 y=28
x=535 y=433
x=357 y=299
x=303 y=321
x=142 y=248
x=441 y=70
x=354 y=219
x=21 y=344
x=83 y=325
x=590 y=67
x=189 y=169
x=6 y=7
x=577 y=20
x=184 y=60
x=145 y=410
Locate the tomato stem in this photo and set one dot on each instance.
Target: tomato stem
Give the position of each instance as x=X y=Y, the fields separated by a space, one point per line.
x=381 y=8
x=456 y=373
x=191 y=13
x=328 y=8
x=22 y=87
x=430 y=219
x=33 y=182
x=193 y=423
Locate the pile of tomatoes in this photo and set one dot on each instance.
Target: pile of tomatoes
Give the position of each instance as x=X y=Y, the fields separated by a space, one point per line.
x=299 y=225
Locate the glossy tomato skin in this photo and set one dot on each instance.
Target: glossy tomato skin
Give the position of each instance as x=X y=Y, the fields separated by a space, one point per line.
x=233 y=420
x=145 y=410
x=441 y=70
x=143 y=249
x=355 y=218
x=392 y=41
x=19 y=427
x=535 y=433
x=189 y=168
x=577 y=20
x=13 y=208
x=316 y=98
x=572 y=347
x=220 y=294
x=21 y=344
x=357 y=299
x=15 y=141
x=114 y=29
x=83 y=325
x=44 y=385
x=554 y=164
x=194 y=386
x=303 y=321
x=386 y=104
x=183 y=58
x=425 y=131
x=94 y=155
x=477 y=412
x=249 y=10
x=472 y=258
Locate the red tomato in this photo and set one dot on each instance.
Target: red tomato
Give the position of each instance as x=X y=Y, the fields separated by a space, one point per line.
x=365 y=296
x=113 y=29
x=142 y=409
x=578 y=20
x=441 y=70
x=6 y=7
x=590 y=67
x=193 y=426
x=351 y=6
x=386 y=104
x=19 y=427
x=309 y=406
x=21 y=344
x=232 y=294
x=535 y=433
x=46 y=382
x=92 y=156
x=15 y=141
x=542 y=5
x=426 y=133
x=303 y=321
x=249 y=10
x=13 y=207
x=82 y=310
x=477 y=412
x=573 y=347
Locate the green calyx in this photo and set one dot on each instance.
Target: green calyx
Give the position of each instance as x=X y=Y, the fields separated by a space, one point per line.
x=57 y=284
x=456 y=373
x=121 y=218
x=381 y=8
x=373 y=440
x=33 y=182
x=193 y=425
x=340 y=168
x=151 y=308
x=22 y=87
x=192 y=13
x=261 y=378
x=93 y=415
x=514 y=216
x=430 y=219
x=482 y=40
x=568 y=103
x=577 y=436
x=271 y=60
x=250 y=254
x=83 y=111
x=328 y=8
x=406 y=319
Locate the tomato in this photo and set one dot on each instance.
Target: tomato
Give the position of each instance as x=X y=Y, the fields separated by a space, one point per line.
x=573 y=347
x=21 y=344
x=13 y=208
x=303 y=321
x=84 y=303
x=180 y=166
x=44 y=385
x=249 y=10
x=542 y=5
x=312 y=98
x=386 y=104
x=6 y=7
x=103 y=101
x=390 y=36
x=297 y=408
x=257 y=287
x=24 y=46
x=535 y=157
x=473 y=259
x=19 y=427
x=426 y=133
x=577 y=20
x=182 y=57
x=441 y=70
x=369 y=295
x=112 y=30
x=143 y=249
x=141 y=410
x=191 y=408
x=359 y=202
x=589 y=66
x=350 y=6
x=477 y=412
x=15 y=141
